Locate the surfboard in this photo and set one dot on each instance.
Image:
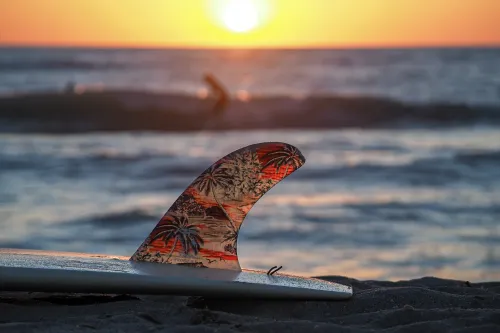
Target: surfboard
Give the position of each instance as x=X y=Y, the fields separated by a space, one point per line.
x=193 y=248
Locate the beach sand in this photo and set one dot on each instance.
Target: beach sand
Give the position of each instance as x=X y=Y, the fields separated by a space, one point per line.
x=422 y=305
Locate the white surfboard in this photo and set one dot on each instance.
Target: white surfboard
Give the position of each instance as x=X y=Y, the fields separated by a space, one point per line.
x=84 y=273
x=191 y=251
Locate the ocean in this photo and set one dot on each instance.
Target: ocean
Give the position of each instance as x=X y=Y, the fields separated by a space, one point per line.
x=402 y=177
x=469 y=76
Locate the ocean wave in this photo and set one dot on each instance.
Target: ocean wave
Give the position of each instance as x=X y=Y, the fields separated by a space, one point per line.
x=424 y=213
x=55 y=65
x=362 y=237
x=488 y=239
x=32 y=245
x=123 y=218
x=423 y=260
x=475 y=158
x=72 y=167
x=140 y=111
x=416 y=174
x=10 y=163
x=420 y=172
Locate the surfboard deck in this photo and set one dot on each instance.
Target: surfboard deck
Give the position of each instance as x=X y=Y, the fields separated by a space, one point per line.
x=31 y=270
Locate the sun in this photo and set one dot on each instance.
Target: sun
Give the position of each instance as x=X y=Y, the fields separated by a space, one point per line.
x=240 y=15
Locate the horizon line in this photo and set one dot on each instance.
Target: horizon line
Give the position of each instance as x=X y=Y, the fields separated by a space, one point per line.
x=249 y=47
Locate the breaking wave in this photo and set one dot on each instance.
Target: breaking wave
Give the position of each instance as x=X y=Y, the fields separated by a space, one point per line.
x=56 y=65
x=140 y=111
x=474 y=158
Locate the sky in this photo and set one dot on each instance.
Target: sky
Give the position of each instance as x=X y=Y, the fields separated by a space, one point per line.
x=279 y=23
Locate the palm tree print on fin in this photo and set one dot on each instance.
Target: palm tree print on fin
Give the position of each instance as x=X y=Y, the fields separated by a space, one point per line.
x=201 y=228
x=179 y=230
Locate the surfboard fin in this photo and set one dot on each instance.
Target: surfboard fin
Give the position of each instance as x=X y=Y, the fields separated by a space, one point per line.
x=201 y=228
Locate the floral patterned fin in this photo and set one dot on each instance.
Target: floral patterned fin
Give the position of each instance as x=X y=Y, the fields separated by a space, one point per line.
x=201 y=228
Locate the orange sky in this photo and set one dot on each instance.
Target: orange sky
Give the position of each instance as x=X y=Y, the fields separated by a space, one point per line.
x=285 y=23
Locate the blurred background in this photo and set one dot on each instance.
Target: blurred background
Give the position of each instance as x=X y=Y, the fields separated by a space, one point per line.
x=106 y=117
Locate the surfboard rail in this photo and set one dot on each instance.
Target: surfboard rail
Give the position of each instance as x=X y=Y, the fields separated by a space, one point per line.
x=48 y=271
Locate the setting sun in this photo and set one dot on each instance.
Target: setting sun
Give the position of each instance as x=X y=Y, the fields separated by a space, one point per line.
x=240 y=15
x=251 y=23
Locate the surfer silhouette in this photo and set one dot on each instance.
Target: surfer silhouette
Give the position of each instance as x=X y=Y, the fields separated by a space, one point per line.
x=219 y=92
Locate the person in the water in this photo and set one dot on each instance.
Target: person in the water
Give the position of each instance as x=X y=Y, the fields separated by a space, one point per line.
x=219 y=92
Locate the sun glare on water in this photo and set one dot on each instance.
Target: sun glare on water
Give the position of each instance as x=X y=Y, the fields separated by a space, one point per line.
x=240 y=15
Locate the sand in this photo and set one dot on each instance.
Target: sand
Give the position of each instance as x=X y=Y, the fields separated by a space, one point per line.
x=422 y=305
